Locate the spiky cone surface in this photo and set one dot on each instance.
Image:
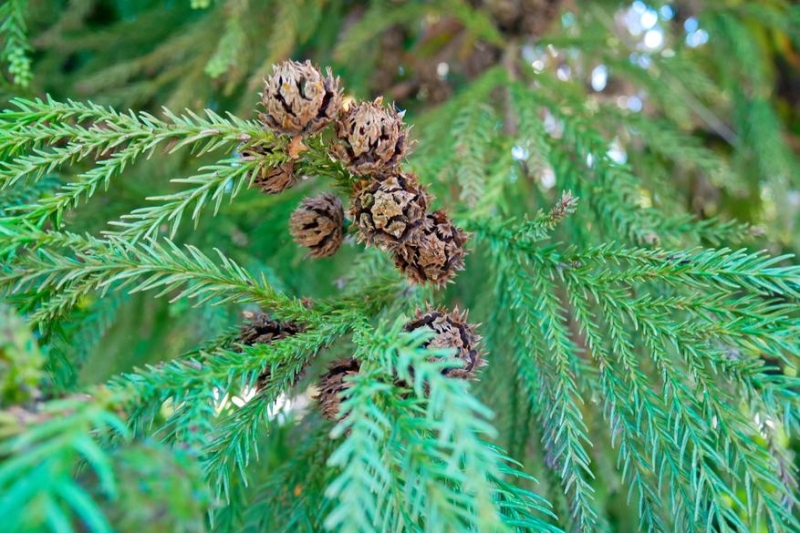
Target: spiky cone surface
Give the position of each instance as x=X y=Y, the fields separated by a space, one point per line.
x=299 y=100
x=372 y=138
x=260 y=328
x=451 y=330
x=275 y=180
x=318 y=224
x=332 y=383
x=388 y=210
x=435 y=254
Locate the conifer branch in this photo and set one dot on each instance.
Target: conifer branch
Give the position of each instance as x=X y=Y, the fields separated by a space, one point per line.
x=644 y=370
x=723 y=270
x=184 y=272
x=472 y=130
x=44 y=446
x=42 y=127
x=16 y=50
x=525 y=234
x=214 y=183
x=71 y=341
x=638 y=432
x=230 y=451
x=558 y=403
x=437 y=436
x=305 y=470
x=12 y=198
x=610 y=274
x=226 y=445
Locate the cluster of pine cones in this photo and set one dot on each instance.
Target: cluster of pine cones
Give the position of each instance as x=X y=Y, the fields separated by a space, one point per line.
x=450 y=330
x=389 y=207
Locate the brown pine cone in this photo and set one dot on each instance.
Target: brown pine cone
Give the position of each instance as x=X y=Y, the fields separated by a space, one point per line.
x=372 y=138
x=332 y=383
x=451 y=331
x=318 y=224
x=388 y=210
x=271 y=179
x=299 y=100
x=261 y=329
x=435 y=254
x=275 y=180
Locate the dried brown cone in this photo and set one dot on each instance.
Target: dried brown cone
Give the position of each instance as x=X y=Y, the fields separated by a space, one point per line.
x=271 y=179
x=261 y=329
x=332 y=383
x=435 y=254
x=275 y=180
x=389 y=210
x=299 y=100
x=318 y=224
x=372 y=138
x=451 y=330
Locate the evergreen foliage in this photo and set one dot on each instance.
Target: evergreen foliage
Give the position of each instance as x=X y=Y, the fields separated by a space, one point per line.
x=628 y=176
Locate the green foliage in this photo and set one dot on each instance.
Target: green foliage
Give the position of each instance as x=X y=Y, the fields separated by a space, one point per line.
x=419 y=456
x=700 y=324
x=631 y=262
x=157 y=490
x=15 y=55
x=20 y=360
x=41 y=477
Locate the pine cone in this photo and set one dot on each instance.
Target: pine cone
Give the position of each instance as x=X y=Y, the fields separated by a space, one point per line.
x=275 y=180
x=270 y=179
x=318 y=224
x=372 y=138
x=435 y=253
x=332 y=383
x=388 y=210
x=261 y=329
x=451 y=331
x=299 y=100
